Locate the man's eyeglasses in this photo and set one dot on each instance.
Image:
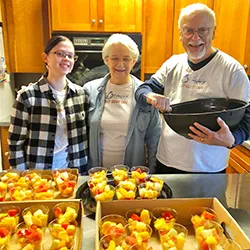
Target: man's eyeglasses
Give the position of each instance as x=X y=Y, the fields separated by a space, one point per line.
x=202 y=32
x=62 y=54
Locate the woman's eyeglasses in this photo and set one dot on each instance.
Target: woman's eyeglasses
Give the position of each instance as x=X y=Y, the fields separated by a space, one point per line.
x=63 y=54
x=202 y=32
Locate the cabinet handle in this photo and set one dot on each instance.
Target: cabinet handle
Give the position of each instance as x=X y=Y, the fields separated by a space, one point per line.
x=93 y=21
x=245 y=67
x=100 y=21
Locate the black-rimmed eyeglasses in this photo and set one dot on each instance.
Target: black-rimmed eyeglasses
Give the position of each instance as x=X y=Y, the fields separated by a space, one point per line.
x=63 y=54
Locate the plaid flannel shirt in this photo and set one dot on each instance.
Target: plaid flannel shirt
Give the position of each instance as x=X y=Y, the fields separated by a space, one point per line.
x=33 y=127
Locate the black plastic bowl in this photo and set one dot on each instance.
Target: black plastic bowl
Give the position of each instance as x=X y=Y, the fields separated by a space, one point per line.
x=205 y=112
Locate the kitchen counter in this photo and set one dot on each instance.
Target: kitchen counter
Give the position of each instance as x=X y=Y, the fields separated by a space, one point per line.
x=231 y=189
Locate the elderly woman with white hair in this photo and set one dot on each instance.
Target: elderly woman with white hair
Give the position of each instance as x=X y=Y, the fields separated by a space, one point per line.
x=121 y=131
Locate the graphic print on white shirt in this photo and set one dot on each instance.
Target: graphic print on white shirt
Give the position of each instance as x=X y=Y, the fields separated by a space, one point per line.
x=114 y=122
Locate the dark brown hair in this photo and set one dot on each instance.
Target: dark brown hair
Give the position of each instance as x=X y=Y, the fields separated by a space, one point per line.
x=53 y=42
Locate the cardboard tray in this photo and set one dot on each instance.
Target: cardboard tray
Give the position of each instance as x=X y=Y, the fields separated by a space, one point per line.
x=49 y=172
x=182 y=206
x=51 y=204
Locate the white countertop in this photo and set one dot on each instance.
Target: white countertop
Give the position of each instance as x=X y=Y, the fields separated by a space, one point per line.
x=246 y=144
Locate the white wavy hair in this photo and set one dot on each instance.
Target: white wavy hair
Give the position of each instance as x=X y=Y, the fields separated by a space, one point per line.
x=196 y=8
x=123 y=39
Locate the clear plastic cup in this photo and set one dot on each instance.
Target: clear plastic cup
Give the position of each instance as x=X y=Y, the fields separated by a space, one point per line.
x=66 y=211
x=177 y=235
x=5 y=237
x=105 y=194
x=164 y=217
x=112 y=220
x=64 y=232
x=140 y=173
x=3 y=191
x=200 y=214
x=36 y=215
x=114 y=240
x=95 y=185
x=210 y=229
x=156 y=183
x=138 y=233
x=147 y=191
x=67 y=187
x=228 y=244
x=119 y=173
x=11 y=217
x=44 y=188
x=140 y=214
x=55 y=244
x=98 y=172
x=10 y=177
x=28 y=235
x=21 y=194
x=126 y=190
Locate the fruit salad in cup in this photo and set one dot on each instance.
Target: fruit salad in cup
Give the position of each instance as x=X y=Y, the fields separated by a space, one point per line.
x=63 y=234
x=29 y=237
x=10 y=177
x=201 y=214
x=208 y=236
x=126 y=190
x=106 y=193
x=140 y=173
x=98 y=173
x=164 y=218
x=36 y=215
x=65 y=212
x=173 y=238
x=5 y=235
x=9 y=217
x=147 y=191
x=95 y=185
x=119 y=173
x=21 y=194
x=112 y=223
x=66 y=183
x=114 y=242
x=44 y=188
x=138 y=233
x=3 y=190
x=139 y=215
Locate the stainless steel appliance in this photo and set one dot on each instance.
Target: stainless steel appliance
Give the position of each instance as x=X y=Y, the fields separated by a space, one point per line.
x=90 y=65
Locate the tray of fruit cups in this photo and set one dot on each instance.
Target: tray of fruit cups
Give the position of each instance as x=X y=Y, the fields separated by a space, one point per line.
x=52 y=226
x=120 y=183
x=141 y=229
x=38 y=184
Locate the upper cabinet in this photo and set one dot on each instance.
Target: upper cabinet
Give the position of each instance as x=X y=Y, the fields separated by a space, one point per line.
x=157 y=39
x=96 y=15
x=23 y=35
x=233 y=29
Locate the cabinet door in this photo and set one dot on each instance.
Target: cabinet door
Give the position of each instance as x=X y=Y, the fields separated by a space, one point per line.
x=158 y=38
x=4 y=146
x=74 y=15
x=23 y=35
x=120 y=16
x=233 y=31
x=177 y=46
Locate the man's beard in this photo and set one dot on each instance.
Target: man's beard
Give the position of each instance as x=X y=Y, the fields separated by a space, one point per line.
x=196 y=56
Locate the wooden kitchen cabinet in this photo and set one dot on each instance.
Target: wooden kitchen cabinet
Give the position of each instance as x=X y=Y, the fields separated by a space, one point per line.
x=233 y=29
x=96 y=15
x=23 y=35
x=239 y=161
x=4 y=147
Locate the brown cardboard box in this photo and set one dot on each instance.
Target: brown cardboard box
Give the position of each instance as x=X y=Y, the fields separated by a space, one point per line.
x=182 y=206
x=51 y=204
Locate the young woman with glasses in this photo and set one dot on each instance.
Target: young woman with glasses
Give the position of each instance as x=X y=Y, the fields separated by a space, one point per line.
x=48 y=127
